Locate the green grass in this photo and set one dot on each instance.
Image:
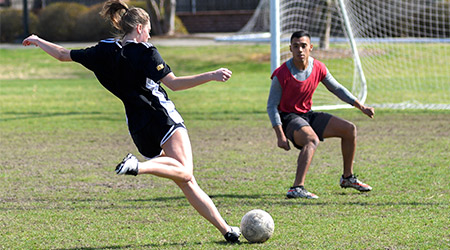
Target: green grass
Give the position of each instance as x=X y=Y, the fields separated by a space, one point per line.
x=61 y=134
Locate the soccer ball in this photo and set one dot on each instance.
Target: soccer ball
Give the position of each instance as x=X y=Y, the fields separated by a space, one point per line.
x=257 y=226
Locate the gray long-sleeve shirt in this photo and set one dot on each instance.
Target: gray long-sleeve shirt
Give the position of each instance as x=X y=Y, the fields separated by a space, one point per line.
x=276 y=91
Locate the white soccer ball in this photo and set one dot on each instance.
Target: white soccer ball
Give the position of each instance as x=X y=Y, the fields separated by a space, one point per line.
x=257 y=226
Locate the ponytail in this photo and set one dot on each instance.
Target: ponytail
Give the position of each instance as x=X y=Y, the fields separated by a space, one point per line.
x=123 y=18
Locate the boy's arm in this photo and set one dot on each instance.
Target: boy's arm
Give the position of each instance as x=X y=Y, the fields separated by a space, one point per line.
x=282 y=141
x=345 y=95
x=272 y=110
x=369 y=111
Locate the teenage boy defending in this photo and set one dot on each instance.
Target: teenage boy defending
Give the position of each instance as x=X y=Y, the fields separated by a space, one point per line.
x=289 y=108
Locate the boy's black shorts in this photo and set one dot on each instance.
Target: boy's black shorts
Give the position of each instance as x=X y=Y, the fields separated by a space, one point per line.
x=293 y=121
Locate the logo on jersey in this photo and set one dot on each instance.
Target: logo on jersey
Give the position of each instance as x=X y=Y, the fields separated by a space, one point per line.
x=160 y=67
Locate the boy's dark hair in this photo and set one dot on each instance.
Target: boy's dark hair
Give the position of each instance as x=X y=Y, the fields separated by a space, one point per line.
x=300 y=33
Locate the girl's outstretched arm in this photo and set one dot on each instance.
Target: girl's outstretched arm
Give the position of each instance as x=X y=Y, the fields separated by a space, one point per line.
x=58 y=52
x=186 y=82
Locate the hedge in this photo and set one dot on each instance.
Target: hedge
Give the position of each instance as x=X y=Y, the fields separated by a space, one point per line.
x=11 y=25
x=64 y=21
x=57 y=22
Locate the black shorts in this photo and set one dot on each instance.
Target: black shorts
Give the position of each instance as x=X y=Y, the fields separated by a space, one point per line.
x=293 y=122
x=149 y=139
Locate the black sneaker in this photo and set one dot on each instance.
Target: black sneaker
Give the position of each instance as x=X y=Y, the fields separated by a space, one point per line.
x=232 y=236
x=300 y=192
x=353 y=182
x=128 y=166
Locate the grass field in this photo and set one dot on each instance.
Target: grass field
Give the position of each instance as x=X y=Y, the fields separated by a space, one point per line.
x=61 y=135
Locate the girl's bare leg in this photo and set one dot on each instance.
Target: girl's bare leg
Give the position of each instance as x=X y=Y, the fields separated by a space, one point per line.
x=177 y=165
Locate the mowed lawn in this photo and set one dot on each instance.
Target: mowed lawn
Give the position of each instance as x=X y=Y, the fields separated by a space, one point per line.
x=62 y=134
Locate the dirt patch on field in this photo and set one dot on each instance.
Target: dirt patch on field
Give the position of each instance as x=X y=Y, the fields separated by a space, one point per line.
x=64 y=163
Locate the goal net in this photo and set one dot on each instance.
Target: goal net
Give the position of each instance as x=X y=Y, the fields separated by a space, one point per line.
x=394 y=52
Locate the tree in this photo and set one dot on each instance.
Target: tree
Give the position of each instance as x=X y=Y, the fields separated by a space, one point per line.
x=325 y=36
x=162 y=16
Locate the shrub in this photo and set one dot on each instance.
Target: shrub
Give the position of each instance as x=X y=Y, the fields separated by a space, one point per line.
x=138 y=4
x=91 y=26
x=11 y=24
x=57 y=21
x=65 y=21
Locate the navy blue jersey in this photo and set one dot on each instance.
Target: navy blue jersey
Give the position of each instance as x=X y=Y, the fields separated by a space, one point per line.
x=104 y=60
x=132 y=73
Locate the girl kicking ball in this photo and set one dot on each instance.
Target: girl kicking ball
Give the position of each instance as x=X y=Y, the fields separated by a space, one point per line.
x=133 y=70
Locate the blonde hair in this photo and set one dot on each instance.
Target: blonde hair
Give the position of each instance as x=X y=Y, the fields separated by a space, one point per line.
x=123 y=18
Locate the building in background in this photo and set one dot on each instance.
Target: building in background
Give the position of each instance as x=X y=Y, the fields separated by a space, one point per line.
x=199 y=16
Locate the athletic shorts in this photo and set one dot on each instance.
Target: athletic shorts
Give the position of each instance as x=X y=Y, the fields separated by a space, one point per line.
x=149 y=140
x=293 y=122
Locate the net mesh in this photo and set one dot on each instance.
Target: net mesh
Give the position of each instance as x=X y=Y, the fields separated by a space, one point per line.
x=406 y=47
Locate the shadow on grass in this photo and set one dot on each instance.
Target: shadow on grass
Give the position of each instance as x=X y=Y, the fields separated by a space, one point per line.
x=161 y=245
x=145 y=246
x=262 y=201
x=233 y=196
x=364 y=204
x=223 y=115
x=38 y=115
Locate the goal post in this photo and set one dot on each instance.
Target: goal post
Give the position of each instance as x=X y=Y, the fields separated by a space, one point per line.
x=358 y=67
x=388 y=53
x=275 y=34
